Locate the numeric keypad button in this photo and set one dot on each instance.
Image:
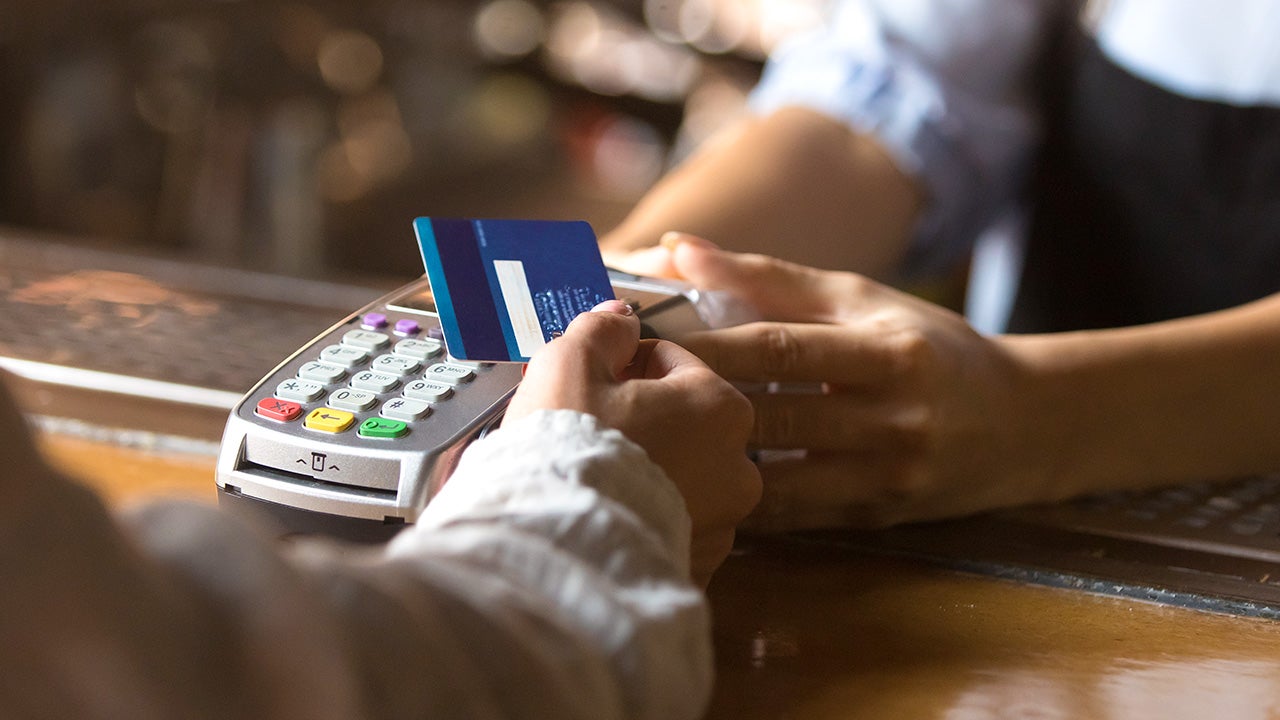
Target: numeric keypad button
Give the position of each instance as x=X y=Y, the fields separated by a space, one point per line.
x=396 y=365
x=344 y=355
x=431 y=390
x=366 y=339
x=374 y=381
x=452 y=373
x=299 y=390
x=321 y=372
x=406 y=409
x=353 y=400
x=419 y=349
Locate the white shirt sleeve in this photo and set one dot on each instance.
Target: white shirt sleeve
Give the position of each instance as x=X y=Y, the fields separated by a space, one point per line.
x=548 y=579
x=944 y=85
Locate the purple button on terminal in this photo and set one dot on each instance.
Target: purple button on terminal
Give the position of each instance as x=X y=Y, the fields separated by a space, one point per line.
x=435 y=332
x=374 y=320
x=407 y=327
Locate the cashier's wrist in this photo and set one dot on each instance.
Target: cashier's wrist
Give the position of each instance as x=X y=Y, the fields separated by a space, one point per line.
x=1044 y=435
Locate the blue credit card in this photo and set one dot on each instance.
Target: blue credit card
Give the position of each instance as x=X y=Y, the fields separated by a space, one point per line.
x=504 y=288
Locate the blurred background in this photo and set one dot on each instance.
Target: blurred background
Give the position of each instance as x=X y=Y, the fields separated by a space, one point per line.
x=301 y=138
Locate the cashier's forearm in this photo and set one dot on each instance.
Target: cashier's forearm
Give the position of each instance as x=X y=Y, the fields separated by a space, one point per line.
x=794 y=184
x=1175 y=401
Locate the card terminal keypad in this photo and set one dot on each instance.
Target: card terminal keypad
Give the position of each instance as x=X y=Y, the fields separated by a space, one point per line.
x=371 y=384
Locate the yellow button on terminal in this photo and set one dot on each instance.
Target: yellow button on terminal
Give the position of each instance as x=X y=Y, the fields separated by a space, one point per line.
x=329 y=420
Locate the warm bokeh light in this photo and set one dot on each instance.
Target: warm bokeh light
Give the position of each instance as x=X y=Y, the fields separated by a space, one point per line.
x=747 y=27
x=373 y=148
x=610 y=55
x=721 y=27
x=349 y=61
x=508 y=29
x=507 y=110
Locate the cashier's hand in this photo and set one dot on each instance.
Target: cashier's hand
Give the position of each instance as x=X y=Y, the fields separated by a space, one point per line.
x=692 y=423
x=910 y=414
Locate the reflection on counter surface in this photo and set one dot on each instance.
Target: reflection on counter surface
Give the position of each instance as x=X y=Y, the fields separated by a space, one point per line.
x=807 y=632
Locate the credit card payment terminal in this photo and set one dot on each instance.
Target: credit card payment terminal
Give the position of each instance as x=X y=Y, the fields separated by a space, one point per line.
x=353 y=434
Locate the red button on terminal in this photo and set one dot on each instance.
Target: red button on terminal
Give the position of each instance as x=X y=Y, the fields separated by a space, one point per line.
x=277 y=409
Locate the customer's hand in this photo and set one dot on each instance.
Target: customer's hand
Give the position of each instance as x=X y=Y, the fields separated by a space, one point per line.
x=691 y=422
x=915 y=413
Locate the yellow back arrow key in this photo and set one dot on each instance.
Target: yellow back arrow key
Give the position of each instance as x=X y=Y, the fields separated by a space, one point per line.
x=329 y=420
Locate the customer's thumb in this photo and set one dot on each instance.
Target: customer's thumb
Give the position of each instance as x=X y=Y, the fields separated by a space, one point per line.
x=776 y=289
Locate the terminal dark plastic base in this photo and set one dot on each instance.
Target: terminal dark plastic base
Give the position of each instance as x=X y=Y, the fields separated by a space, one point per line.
x=292 y=521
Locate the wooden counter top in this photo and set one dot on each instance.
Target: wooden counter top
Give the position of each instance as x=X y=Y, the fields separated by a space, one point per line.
x=122 y=474
x=804 y=632
x=807 y=631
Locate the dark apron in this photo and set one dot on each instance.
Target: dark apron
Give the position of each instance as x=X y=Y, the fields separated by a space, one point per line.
x=1147 y=205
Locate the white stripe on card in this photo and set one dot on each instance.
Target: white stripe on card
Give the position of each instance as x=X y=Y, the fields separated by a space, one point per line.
x=520 y=310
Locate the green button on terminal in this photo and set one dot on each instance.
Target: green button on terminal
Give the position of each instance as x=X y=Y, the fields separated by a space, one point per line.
x=383 y=428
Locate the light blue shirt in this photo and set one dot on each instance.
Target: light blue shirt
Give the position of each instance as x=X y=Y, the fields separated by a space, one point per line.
x=946 y=85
